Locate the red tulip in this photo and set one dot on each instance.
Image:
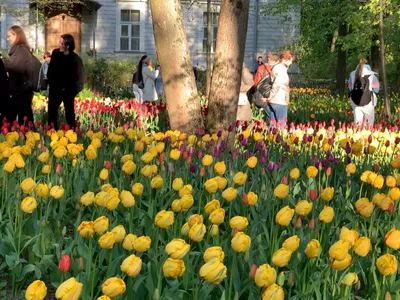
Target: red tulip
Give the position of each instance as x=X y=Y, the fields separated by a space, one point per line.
x=245 y=199
x=328 y=171
x=313 y=195
x=162 y=156
x=107 y=164
x=298 y=223
x=65 y=263
x=202 y=171
x=58 y=168
x=311 y=225
x=253 y=270
x=390 y=209
x=284 y=180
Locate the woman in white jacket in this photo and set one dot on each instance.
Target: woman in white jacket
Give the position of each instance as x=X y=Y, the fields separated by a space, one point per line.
x=149 y=78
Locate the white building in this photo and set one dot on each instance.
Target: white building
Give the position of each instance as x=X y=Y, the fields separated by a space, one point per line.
x=122 y=28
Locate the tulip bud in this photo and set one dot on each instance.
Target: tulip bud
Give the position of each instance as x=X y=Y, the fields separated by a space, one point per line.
x=311 y=225
x=291 y=279
x=313 y=195
x=388 y=296
x=235 y=230
x=298 y=223
x=58 y=168
x=246 y=257
x=81 y=265
x=245 y=199
x=376 y=168
x=253 y=270
x=328 y=171
x=162 y=156
x=281 y=279
x=65 y=264
x=60 y=181
x=202 y=172
x=284 y=180
x=390 y=209
x=156 y=295
x=107 y=164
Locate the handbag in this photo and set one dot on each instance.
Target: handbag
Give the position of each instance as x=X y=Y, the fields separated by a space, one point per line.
x=243 y=99
x=141 y=85
x=264 y=88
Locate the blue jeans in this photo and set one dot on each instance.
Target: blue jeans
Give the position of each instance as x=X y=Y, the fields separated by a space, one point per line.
x=276 y=114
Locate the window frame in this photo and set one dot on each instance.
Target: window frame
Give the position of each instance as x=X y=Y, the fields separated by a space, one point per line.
x=131 y=7
x=3 y=29
x=213 y=27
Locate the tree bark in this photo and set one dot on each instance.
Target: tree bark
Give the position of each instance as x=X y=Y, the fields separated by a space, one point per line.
x=228 y=63
x=341 y=62
x=209 y=41
x=173 y=54
x=382 y=57
x=374 y=59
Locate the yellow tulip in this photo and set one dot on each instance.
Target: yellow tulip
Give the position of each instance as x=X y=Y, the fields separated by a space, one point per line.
x=327 y=194
x=43 y=157
x=207 y=160
x=341 y=265
x=127 y=199
x=222 y=182
x=240 y=242
x=61 y=151
x=214 y=271
x=195 y=219
x=394 y=193
x=197 y=232
x=175 y=154
x=214 y=230
x=251 y=162
x=211 y=185
x=284 y=216
x=119 y=233
x=45 y=170
x=90 y=152
x=220 y=168
x=27 y=185
x=128 y=242
x=292 y=243
x=185 y=229
x=131 y=266
x=113 y=287
x=240 y=178
x=157 y=182
x=87 y=199
x=327 y=214
x=112 y=201
x=137 y=189
x=177 y=184
x=313 y=249
x=147 y=157
x=103 y=174
x=311 y=172
x=387 y=264
x=104 y=297
x=281 y=257
x=351 y=168
x=391 y=181
x=378 y=182
x=9 y=166
x=56 y=192
x=186 y=202
x=339 y=250
x=173 y=268
x=350 y=279
x=69 y=290
x=229 y=194
x=164 y=219
x=392 y=239
x=129 y=167
x=362 y=246
x=252 y=198
x=238 y=222
x=142 y=244
x=303 y=208
x=100 y=225
x=273 y=292
x=28 y=205
x=86 y=230
x=364 y=207
x=126 y=157
x=107 y=240
x=265 y=276
x=37 y=290
x=42 y=190
x=211 y=206
x=281 y=191
x=177 y=248
x=294 y=173
x=214 y=252
x=351 y=236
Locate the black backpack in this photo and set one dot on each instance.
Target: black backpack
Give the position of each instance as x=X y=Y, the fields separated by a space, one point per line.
x=34 y=75
x=264 y=87
x=360 y=94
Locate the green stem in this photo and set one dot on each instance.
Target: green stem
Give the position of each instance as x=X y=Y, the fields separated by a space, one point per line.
x=231 y=275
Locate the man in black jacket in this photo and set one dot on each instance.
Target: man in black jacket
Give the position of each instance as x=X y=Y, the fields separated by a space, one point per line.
x=66 y=76
x=4 y=95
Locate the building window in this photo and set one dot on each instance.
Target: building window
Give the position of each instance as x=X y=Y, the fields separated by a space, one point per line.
x=214 y=30
x=130 y=30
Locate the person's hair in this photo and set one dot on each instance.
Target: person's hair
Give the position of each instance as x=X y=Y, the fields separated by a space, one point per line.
x=359 y=69
x=139 y=75
x=46 y=54
x=259 y=57
x=272 y=56
x=286 y=55
x=20 y=36
x=69 y=42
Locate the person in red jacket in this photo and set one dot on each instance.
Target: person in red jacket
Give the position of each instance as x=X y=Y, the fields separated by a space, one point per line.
x=265 y=69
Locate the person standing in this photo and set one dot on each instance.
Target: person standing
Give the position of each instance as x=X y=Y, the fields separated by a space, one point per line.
x=149 y=78
x=363 y=86
x=265 y=69
x=276 y=108
x=45 y=67
x=19 y=106
x=244 y=113
x=66 y=76
x=4 y=95
x=137 y=81
x=259 y=63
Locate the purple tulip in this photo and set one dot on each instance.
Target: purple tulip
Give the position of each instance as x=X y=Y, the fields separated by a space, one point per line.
x=219 y=133
x=167 y=139
x=270 y=166
x=310 y=138
x=348 y=148
x=331 y=157
x=365 y=150
x=193 y=168
x=241 y=137
x=324 y=163
x=216 y=151
x=265 y=153
x=200 y=154
x=277 y=166
x=348 y=160
x=263 y=160
x=230 y=128
x=316 y=164
x=191 y=150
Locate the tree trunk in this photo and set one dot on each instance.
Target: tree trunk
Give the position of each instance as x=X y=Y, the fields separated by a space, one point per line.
x=209 y=41
x=341 y=62
x=228 y=63
x=398 y=76
x=383 y=63
x=374 y=60
x=173 y=54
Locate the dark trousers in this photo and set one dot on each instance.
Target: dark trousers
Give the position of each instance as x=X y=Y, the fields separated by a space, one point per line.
x=19 y=105
x=55 y=99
